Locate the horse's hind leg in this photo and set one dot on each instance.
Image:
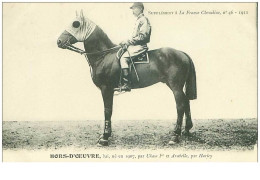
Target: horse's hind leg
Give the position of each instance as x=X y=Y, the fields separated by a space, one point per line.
x=181 y=102
x=188 y=124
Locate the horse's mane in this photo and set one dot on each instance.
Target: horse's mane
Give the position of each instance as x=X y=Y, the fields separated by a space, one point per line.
x=104 y=37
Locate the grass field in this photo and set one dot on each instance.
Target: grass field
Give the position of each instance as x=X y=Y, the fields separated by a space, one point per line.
x=213 y=134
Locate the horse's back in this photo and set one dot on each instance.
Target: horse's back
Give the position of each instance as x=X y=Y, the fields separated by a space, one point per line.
x=164 y=64
x=172 y=65
x=169 y=55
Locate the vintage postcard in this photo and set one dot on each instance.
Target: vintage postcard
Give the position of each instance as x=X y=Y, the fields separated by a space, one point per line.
x=130 y=82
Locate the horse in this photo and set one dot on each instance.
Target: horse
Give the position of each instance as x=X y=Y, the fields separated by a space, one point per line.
x=167 y=65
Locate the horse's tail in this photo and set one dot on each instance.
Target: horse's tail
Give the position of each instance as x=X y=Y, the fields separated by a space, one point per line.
x=191 y=84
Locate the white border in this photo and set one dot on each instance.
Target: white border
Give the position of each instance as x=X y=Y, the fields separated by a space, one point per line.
x=132 y=171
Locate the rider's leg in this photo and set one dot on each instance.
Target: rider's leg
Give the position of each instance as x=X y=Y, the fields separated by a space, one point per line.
x=124 y=61
x=125 y=73
x=126 y=80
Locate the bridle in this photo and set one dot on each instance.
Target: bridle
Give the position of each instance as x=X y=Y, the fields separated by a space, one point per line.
x=69 y=46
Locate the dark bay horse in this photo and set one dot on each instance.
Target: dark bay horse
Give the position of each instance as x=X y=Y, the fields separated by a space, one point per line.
x=167 y=65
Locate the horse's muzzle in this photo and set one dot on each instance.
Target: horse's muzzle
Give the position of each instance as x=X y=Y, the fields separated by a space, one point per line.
x=60 y=44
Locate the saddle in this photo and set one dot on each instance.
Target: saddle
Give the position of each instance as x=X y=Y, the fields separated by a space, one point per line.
x=141 y=58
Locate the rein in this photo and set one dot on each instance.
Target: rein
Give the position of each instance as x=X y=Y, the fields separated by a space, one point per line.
x=75 y=49
x=68 y=46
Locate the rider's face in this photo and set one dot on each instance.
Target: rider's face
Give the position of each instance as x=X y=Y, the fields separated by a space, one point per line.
x=136 y=11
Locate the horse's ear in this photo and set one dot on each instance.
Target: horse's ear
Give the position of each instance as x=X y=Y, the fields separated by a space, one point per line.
x=81 y=13
x=77 y=14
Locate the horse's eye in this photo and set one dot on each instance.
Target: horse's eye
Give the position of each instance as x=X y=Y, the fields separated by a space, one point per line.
x=76 y=24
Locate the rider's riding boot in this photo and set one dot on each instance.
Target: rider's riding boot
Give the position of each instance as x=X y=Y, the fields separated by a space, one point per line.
x=126 y=80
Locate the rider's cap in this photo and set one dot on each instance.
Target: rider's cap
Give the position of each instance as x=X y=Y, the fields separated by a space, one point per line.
x=137 y=4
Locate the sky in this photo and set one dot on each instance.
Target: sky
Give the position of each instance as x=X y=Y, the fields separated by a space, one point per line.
x=43 y=82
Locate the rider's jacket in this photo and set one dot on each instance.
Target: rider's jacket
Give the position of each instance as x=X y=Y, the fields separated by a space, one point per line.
x=142 y=31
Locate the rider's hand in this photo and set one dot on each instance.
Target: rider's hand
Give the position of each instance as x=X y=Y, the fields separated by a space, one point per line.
x=124 y=44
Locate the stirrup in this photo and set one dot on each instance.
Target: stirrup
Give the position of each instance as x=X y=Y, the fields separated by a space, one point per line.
x=125 y=88
x=118 y=89
x=122 y=89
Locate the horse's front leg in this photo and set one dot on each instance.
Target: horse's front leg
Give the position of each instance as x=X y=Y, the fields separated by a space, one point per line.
x=107 y=94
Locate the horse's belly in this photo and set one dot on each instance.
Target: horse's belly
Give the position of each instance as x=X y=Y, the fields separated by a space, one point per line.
x=142 y=85
x=147 y=77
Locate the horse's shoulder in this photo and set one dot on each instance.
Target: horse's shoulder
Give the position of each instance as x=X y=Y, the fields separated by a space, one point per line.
x=110 y=57
x=110 y=61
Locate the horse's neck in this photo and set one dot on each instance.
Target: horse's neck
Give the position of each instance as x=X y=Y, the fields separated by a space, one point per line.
x=97 y=42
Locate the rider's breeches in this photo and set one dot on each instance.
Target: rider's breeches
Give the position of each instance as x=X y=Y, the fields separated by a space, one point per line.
x=133 y=51
x=124 y=61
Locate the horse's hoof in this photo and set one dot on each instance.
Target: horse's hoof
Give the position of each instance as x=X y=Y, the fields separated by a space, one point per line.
x=171 y=143
x=175 y=139
x=185 y=133
x=188 y=126
x=102 y=142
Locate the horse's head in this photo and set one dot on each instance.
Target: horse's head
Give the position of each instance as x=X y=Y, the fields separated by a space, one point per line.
x=78 y=31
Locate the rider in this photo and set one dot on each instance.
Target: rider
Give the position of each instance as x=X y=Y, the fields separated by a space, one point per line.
x=136 y=44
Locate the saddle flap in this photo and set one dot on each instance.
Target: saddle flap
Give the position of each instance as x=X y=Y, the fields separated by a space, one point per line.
x=140 y=58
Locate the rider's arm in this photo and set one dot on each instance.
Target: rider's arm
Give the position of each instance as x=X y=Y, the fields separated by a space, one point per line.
x=142 y=34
